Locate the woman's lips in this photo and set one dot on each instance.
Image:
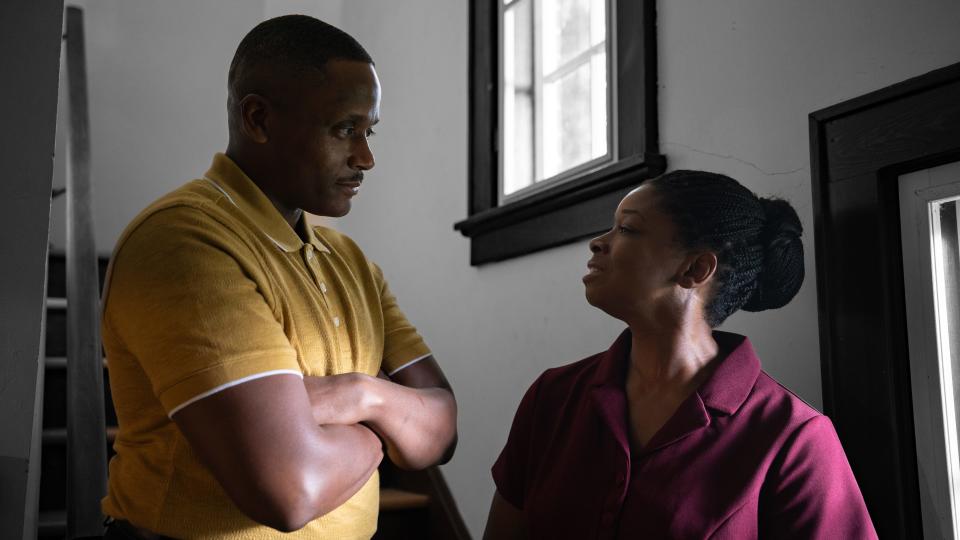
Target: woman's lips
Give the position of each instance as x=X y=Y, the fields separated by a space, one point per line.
x=593 y=270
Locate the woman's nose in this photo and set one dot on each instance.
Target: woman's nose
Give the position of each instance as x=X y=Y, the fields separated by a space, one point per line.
x=598 y=244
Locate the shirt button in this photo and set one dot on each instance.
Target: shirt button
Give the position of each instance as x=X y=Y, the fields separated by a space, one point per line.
x=309 y=254
x=323 y=288
x=336 y=322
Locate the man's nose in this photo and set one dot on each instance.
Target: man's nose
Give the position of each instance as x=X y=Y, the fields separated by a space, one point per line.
x=362 y=157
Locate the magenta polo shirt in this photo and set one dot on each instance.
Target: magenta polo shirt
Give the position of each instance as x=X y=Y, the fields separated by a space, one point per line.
x=742 y=458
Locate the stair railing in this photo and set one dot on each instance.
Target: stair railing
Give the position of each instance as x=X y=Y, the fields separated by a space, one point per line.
x=86 y=432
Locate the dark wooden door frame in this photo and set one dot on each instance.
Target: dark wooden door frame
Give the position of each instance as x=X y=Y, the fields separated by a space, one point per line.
x=859 y=149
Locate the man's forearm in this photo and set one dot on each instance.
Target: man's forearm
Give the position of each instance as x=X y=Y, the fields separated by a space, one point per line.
x=419 y=425
x=261 y=443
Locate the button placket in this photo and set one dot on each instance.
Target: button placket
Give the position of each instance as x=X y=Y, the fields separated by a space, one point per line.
x=329 y=302
x=311 y=263
x=316 y=264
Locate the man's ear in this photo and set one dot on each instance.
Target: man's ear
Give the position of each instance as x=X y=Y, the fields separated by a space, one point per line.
x=253 y=118
x=697 y=270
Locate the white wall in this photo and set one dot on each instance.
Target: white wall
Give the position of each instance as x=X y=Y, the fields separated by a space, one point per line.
x=157 y=82
x=738 y=79
x=157 y=78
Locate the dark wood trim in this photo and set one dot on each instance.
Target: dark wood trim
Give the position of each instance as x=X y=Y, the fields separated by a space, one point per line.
x=555 y=223
x=859 y=149
x=563 y=213
x=85 y=433
x=443 y=515
x=484 y=105
x=631 y=171
x=637 y=78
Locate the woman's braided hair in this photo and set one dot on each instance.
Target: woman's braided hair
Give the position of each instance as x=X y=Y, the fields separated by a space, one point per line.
x=757 y=240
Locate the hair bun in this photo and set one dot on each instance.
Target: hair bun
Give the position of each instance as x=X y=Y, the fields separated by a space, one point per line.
x=782 y=272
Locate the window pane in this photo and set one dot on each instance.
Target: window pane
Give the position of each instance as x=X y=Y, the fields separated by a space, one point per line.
x=567 y=128
x=570 y=28
x=598 y=21
x=518 y=145
x=554 y=95
x=946 y=275
x=517 y=96
x=598 y=104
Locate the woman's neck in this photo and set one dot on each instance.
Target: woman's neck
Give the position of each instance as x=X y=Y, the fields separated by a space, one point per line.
x=671 y=360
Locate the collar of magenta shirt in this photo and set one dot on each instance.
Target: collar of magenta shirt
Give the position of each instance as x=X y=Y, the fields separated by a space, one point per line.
x=722 y=393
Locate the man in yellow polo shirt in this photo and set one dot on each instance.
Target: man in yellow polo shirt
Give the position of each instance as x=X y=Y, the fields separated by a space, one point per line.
x=244 y=345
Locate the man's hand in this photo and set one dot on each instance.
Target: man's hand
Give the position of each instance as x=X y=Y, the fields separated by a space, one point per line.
x=341 y=399
x=414 y=412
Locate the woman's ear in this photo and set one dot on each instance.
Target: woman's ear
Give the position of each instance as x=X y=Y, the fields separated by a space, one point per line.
x=697 y=270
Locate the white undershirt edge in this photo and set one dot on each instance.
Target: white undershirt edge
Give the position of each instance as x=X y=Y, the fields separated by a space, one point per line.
x=231 y=384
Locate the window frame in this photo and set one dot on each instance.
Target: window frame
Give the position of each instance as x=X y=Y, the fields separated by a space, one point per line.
x=858 y=150
x=579 y=207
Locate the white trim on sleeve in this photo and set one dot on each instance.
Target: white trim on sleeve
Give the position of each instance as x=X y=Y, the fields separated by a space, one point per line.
x=231 y=384
x=408 y=364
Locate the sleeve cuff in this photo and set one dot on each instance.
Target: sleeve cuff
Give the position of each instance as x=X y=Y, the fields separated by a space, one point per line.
x=408 y=364
x=209 y=381
x=398 y=360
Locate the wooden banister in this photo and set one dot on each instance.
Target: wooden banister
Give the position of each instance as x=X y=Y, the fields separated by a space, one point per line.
x=86 y=434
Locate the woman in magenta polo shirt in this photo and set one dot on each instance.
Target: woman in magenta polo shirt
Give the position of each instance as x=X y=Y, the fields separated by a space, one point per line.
x=675 y=431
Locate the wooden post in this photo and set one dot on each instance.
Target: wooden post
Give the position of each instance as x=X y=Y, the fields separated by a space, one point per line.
x=86 y=432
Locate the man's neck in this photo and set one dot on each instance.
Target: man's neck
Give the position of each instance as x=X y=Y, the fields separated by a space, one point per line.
x=259 y=176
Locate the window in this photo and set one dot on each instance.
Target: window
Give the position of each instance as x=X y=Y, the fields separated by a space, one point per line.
x=931 y=270
x=555 y=92
x=562 y=119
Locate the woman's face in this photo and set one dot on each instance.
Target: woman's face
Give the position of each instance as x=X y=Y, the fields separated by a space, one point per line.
x=633 y=272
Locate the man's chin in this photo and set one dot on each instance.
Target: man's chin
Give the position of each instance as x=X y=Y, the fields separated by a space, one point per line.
x=330 y=210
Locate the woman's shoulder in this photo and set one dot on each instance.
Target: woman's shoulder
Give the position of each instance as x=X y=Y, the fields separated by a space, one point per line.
x=605 y=367
x=779 y=402
x=575 y=376
x=573 y=372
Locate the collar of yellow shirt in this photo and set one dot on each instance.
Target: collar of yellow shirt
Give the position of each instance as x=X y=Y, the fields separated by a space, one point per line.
x=237 y=187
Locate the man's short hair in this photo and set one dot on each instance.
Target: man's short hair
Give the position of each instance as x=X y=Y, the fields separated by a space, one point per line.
x=292 y=43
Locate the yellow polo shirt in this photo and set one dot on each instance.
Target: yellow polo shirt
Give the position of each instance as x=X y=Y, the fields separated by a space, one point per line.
x=210 y=287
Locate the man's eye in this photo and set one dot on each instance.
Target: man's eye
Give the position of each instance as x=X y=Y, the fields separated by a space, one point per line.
x=371 y=132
